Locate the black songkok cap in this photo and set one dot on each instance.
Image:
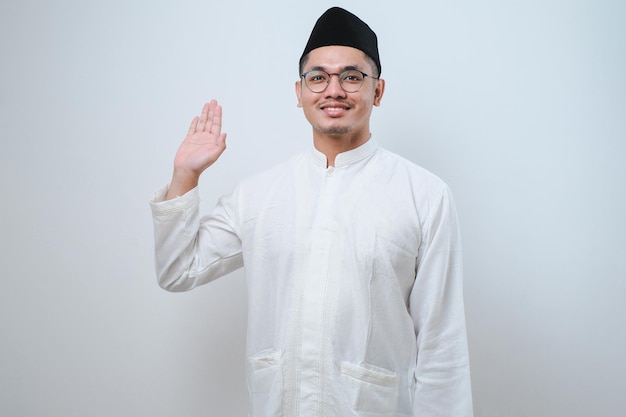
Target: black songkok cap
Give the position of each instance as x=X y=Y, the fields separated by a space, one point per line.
x=340 y=27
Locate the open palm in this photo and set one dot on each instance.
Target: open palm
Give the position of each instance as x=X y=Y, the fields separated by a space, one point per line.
x=202 y=146
x=204 y=142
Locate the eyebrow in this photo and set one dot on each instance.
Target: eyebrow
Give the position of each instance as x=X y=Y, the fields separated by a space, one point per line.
x=346 y=68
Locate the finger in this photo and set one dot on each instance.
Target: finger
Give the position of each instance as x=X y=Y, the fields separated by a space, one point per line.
x=216 y=121
x=204 y=116
x=220 y=142
x=193 y=126
x=210 y=114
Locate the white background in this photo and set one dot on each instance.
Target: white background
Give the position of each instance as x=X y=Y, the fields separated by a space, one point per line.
x=519 y=105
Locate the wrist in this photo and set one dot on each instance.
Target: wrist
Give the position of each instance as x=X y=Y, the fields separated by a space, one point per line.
x=182 y=182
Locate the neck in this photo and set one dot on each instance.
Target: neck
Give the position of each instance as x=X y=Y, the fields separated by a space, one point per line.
x=331 y=146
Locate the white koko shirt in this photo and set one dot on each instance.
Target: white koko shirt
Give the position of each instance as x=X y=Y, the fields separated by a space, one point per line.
x=355 y=284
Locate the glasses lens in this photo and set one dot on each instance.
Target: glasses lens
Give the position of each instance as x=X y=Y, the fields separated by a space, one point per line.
x=351 y=80
x=316 y=80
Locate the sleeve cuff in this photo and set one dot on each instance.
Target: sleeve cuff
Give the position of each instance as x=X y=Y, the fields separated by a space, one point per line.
x=160 y=206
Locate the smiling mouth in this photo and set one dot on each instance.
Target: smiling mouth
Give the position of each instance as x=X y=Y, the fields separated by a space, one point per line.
x=334 y=112
x=334 y=106
x=334 y=109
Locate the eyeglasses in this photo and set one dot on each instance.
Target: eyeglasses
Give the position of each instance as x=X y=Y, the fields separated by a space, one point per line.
x=349 y=80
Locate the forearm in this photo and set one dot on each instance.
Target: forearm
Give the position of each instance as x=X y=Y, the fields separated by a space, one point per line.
x=442 y=374
x=191 y=251
x=182 y=182
x=176 y=225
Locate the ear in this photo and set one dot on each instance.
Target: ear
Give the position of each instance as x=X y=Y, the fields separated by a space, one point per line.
x=299 y=92
x=379 y=91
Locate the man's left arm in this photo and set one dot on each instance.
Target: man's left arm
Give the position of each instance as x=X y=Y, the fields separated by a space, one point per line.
x=442 y=376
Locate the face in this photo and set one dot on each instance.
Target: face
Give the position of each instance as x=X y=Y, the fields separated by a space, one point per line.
x=333 y=112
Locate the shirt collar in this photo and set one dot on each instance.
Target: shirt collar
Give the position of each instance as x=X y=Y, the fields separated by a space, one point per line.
x=349 y=157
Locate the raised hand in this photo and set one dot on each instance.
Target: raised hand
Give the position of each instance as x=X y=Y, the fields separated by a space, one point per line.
x=201 y=148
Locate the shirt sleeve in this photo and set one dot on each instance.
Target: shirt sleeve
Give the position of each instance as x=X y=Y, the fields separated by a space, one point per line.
x=190 y=251
x=442 y=377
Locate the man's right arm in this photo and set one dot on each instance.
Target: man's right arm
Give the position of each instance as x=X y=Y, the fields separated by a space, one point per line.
x=190 y=251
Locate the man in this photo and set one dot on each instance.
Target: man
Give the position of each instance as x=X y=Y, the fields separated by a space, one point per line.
x=352 y=254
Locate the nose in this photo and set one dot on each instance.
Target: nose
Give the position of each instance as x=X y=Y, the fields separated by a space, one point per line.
x=334 y=88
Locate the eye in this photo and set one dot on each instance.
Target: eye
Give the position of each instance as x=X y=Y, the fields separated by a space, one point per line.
x=352 y=77
x=316 y=77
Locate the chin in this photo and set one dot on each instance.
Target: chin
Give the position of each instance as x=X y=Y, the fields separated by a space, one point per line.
x=334 y=130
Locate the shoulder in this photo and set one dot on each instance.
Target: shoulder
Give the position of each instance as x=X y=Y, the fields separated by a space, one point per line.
x=266 y=177
x=410 y=185
x=270 y=183
x=419 y=179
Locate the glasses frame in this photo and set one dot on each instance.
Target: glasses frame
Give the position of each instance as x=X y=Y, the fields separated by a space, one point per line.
x=338 y=74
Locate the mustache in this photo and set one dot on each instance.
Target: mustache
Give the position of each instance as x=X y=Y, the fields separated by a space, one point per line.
x=334 y=103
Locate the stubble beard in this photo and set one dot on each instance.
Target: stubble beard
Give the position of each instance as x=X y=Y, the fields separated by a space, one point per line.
x=333 y=130
x=337 y=131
